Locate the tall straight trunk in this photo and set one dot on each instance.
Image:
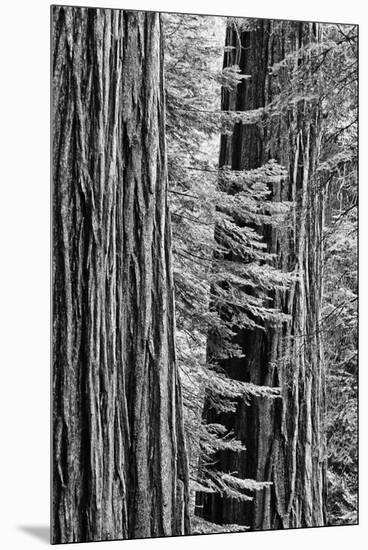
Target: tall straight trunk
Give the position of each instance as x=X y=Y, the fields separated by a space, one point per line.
x=283 y=438
x=119 y=457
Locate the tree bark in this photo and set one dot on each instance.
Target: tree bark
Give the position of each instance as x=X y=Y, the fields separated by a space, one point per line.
x=284 y=438
x=119 y=457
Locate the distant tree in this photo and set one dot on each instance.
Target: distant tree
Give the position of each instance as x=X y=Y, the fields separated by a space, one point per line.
x=120 y=463
x=284 y=439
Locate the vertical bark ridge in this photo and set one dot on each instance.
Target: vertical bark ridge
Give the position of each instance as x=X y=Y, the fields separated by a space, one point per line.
x=119 y=452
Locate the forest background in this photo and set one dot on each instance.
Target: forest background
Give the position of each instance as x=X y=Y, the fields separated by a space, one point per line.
x=26 y=305
x=216 y=321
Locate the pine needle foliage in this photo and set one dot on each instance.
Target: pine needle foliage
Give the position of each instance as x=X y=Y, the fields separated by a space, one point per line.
x=215 y=214
x=340 y=325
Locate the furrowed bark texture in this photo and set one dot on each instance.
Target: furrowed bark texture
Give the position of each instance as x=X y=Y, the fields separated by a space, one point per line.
x=119 y=458
x=284 y=437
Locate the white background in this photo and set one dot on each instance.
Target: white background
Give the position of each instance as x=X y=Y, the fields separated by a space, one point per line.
x=24 y=272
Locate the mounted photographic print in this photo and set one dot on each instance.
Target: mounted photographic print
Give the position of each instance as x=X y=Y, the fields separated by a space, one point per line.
x=204 y=255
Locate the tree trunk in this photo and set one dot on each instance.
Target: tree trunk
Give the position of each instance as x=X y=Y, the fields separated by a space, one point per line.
x=119 y=458
x=284 y=438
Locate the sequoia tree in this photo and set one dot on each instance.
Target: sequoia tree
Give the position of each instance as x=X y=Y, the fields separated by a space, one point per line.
x=119 y=454
x=283 y=438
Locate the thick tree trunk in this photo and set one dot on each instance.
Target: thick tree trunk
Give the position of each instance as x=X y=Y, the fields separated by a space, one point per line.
x=119 y=455
x=284 y=439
